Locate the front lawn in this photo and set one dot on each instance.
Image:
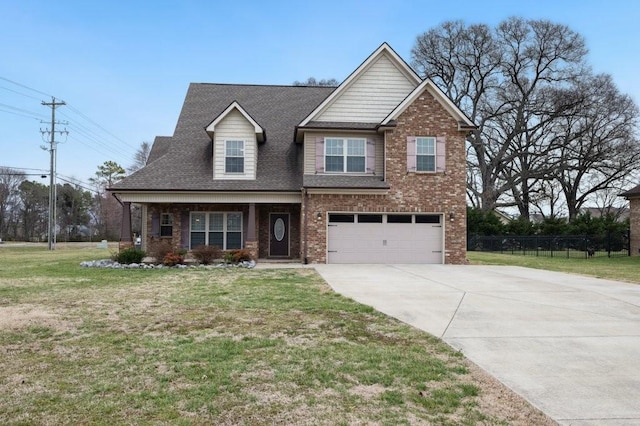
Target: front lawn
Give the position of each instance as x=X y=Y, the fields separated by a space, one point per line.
x=225 y=346
x=622 y=268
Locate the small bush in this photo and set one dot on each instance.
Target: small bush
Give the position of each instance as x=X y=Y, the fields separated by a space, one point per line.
x=160 y=249
x=129 y=255
x=237 y=255
x=206 y=254
x=172 y=259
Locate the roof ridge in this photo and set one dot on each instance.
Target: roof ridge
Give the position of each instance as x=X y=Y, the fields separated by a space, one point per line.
x=260 y=85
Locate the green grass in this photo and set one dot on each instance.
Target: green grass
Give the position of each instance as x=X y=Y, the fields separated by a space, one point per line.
x=225 y=346
x=623 y=268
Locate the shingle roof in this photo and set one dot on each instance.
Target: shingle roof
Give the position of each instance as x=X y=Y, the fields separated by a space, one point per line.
x=632 y=193
x=187 y=163
x=159 y=148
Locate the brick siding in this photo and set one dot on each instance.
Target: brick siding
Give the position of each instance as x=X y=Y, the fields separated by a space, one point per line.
x=409 y=192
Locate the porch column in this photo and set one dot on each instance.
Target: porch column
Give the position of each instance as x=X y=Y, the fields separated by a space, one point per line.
x=251 y=240
x=125 y=228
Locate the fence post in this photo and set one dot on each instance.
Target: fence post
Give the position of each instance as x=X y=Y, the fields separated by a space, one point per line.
x=586 y=246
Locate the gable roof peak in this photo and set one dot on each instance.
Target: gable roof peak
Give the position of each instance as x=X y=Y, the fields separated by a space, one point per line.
x=235 y=105
x=383 y=50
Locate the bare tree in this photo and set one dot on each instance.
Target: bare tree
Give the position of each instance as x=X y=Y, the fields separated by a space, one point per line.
x=10 y=181
x=507 y=81
x=140 y=157
x=311 y=81
x=600 y=144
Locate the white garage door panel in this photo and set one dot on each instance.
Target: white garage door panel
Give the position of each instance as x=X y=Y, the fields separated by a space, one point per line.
x=384 y=243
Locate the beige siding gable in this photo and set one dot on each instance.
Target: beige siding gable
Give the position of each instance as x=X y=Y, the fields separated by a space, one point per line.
x=234 y=126
x=372 y=95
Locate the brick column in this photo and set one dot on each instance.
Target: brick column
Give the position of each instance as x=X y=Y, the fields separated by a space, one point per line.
x=251 y=243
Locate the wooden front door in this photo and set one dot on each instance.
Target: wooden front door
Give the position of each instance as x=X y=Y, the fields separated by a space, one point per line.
x=279 y=234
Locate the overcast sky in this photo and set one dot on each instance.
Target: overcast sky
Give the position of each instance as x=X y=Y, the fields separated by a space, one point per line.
x=123 y=67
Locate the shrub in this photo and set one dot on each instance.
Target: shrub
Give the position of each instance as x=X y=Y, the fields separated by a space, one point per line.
x=172 y=259
x=129 y=255
x=237 y=255
x=160 y=249
x=206 y=254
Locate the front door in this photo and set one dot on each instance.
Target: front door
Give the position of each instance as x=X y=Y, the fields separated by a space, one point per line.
x=279 y=234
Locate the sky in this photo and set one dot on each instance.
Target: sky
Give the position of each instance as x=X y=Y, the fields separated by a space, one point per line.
x=123 y=67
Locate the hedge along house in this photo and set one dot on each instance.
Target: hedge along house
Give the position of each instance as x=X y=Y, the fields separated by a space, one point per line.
x=372 y=171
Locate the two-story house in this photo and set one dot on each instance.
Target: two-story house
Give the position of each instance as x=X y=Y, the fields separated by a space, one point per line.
x=372 y=171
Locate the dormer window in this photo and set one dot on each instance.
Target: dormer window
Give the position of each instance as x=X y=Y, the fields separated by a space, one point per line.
x=234 y=156
x=345 y=155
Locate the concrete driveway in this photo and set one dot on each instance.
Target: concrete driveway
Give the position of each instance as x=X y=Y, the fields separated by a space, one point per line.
x=568 y=344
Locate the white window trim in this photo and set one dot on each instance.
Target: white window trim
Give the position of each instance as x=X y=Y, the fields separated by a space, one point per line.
x=345 y=150
x=224 y=227
x=243 y=156
x=435 y=156
x=169 y=224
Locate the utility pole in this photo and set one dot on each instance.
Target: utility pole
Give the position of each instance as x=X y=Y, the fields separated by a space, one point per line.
x=52 y=176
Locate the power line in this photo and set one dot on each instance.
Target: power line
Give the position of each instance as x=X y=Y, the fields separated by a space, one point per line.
x=20 y=115
x=19 y=93
x=34 y=114
x=26 y=87
x=98 y=143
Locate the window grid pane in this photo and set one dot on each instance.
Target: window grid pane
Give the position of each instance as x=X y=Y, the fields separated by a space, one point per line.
x=216 y=239
x=334 y=147
x=234 y=222
x=425 y=146
x=216 y=221
x=198 y=222
x=235 y=149
x=355 y=147
x=166 y=219
x=426 y=163
x=355 y=164
x=334 y=164
x=234 y=165
x=234 y=240
x=197 y=239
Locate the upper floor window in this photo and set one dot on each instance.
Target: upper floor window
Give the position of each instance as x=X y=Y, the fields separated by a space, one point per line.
x=345 y=155
x=426 y=154
x=234 y=156
x=166 y=225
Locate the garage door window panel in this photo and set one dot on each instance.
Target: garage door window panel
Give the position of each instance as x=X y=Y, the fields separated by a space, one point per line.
x=399 y=218
x=427 y=218
x=341 y=218
x=369 y=218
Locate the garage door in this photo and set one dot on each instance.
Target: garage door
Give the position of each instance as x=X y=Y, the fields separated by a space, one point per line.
x=384 y=238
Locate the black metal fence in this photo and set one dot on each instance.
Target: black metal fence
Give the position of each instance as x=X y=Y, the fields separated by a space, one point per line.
x=578 y=246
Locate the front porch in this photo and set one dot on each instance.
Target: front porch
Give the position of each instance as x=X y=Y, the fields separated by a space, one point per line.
x=269 y=231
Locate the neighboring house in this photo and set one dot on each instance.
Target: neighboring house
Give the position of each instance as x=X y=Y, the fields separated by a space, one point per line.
x=619 y=213
x=633 y=195
x=372 y=171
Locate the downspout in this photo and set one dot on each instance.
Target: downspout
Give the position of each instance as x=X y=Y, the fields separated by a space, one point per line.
x=305 y=206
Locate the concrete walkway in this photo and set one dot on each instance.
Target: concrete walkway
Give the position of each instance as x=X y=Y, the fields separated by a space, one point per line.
x=568 y=344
